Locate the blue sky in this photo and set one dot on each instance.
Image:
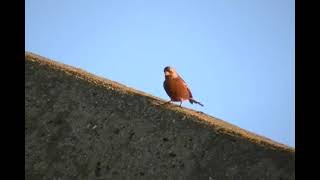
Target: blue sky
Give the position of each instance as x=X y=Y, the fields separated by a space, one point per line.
x=237 y=57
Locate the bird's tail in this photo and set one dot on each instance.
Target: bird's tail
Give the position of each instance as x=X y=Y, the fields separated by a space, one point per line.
x=194 y=101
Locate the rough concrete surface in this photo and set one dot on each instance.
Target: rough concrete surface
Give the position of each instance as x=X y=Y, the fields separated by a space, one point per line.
x=80 y=126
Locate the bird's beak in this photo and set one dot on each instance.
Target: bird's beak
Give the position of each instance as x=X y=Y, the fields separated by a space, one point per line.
x=166 y=73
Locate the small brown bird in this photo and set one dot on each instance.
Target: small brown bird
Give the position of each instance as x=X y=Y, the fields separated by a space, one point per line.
x=176 y=88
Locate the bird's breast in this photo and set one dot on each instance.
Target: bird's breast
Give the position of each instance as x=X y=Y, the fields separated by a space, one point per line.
x=176 y=89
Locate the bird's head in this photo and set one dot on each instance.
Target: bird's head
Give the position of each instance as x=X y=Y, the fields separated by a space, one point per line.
x=170 y=72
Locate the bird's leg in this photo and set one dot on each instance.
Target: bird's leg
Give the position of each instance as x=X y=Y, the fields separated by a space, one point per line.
x=180 y=103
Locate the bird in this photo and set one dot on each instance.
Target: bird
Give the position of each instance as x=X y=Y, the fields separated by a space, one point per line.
x=176 y=88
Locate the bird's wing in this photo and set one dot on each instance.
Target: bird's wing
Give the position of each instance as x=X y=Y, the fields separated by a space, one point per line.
x=185 y=84
x=189 y=92
x=166 y=88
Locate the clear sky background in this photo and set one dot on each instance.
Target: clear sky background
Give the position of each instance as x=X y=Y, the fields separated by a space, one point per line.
x=237 y=56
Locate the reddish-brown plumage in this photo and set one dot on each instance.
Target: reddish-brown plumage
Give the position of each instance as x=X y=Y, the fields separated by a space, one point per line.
x=176 y=87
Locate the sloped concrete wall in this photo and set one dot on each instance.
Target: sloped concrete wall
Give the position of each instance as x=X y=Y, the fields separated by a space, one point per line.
x=78 y=126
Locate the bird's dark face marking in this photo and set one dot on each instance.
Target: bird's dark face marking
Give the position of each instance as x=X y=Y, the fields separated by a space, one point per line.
x=170 y=72
x=167 y=68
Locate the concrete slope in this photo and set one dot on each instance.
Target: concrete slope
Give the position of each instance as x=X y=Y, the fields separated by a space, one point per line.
x=80 y=126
